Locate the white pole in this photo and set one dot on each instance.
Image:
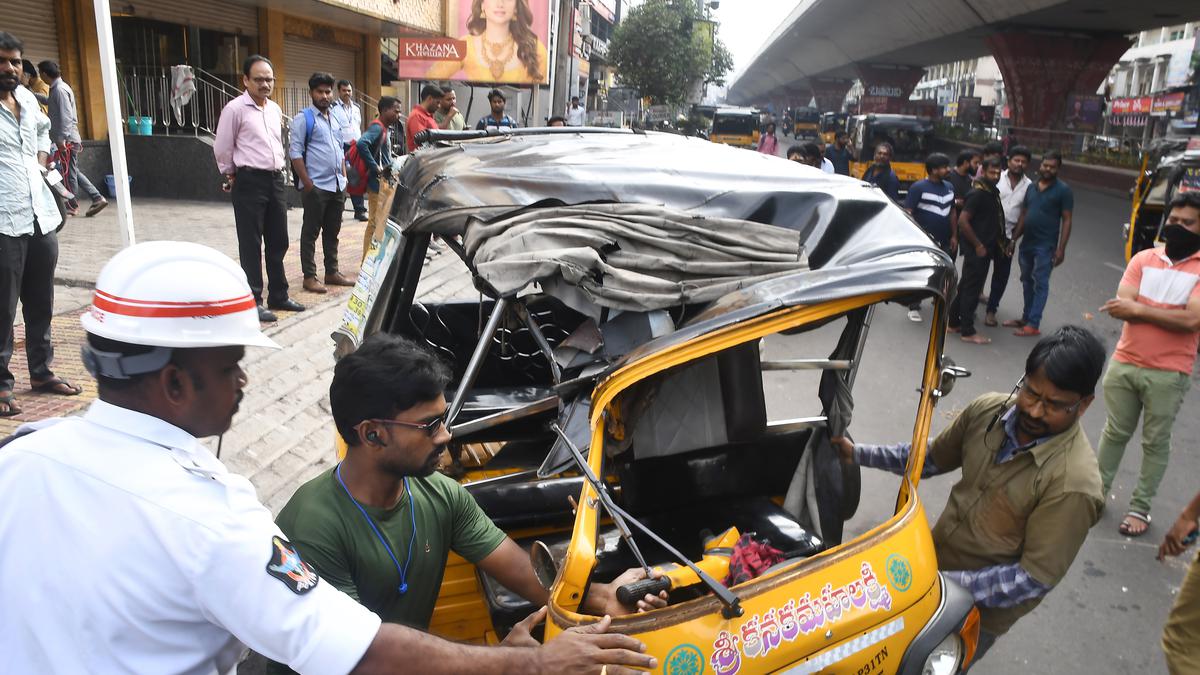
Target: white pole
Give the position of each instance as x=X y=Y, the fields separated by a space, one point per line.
x=116 y=127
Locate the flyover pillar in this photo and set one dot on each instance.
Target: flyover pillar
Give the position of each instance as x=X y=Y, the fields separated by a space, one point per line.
x=1041 y=69
x=829 y=92
x=886 y=87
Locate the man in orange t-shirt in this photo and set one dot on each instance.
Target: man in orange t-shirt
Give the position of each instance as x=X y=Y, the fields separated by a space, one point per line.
x=1150 y=372
x=421 y=117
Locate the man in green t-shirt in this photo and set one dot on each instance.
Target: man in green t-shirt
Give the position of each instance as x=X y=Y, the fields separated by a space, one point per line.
x=379 y=526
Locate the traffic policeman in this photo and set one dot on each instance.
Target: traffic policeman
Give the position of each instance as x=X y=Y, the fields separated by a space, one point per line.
x=129 y=547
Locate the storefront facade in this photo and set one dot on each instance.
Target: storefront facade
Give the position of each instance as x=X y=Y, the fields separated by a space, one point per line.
x=214 y=36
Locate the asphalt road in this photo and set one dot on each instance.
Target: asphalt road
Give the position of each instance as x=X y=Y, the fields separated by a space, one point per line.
x=1106 y=616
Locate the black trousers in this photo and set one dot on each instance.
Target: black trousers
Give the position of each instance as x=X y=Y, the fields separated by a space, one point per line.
x=970 y=287
x=1001 y=270
x=322 y=216
x=27 y=274
x=260 y=212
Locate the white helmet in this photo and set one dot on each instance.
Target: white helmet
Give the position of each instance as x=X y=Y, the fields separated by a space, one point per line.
x=174 y=294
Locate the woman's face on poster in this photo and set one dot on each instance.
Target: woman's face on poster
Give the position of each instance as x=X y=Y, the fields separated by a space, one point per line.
x=499 y=11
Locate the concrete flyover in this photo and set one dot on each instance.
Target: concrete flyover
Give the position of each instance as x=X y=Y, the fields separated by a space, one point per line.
x=1046 y=49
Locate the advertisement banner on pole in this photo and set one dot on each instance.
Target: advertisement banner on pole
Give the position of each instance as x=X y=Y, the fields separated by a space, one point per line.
x=1084 y=112
x=1166 y=103
x=488 y=43
x=968 y=109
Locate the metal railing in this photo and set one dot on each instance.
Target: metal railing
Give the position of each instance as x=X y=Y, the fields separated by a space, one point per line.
x=146 y=92
x=1085 y=147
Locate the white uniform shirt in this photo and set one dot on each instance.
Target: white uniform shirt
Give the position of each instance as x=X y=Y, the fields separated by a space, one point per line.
x=1013 y=199
x=575 y=116
x=129 y=548
x=352 y=120
x=826 y=165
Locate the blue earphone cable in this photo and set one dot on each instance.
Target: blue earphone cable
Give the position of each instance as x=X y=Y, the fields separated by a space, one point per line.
x=412 y=512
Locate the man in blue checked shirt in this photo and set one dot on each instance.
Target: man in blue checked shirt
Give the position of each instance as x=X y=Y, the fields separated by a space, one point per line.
x=318 y=160
x=1030 y=487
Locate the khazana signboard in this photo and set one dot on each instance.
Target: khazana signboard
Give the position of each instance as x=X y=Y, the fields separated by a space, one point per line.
x=487 y=43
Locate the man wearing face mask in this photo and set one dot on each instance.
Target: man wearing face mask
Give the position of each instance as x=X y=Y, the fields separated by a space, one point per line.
x=1149 y=374
x=1030 y=487
x=380 y=525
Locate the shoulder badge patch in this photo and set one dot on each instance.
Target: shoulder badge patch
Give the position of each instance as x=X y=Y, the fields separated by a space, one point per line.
x=286 y=566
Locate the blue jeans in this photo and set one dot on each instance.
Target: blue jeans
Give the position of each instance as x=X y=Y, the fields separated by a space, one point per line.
x=1036 y=264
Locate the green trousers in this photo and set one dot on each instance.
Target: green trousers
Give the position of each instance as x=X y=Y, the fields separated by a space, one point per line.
x=1155 y=396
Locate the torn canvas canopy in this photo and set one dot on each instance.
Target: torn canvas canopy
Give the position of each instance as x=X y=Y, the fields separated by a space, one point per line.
x=628 y=256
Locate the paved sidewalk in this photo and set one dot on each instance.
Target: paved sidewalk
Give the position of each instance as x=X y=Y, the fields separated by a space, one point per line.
x=283 y=433
x=86 y=244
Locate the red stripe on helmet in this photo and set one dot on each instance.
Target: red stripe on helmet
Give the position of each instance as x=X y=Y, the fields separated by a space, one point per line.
x=170 y=310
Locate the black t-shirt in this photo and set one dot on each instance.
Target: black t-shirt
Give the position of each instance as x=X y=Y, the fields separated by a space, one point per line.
x=961 y=184
x=987 y=215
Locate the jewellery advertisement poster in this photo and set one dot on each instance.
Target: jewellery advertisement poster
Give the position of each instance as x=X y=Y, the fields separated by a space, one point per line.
x=487 y=42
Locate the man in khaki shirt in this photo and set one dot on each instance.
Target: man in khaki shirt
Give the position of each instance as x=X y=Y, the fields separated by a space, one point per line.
x=1030 y=486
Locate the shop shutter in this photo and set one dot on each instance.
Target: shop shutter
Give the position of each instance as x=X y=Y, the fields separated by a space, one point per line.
x=302 y=58
x=32 y=22
x=227 y=17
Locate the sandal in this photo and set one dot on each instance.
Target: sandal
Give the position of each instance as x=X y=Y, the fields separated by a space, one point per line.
x=56 y=385
x=989 y=320
x=1014 y=323
x=9 y=403
x=976 y=339
x=1131 y=518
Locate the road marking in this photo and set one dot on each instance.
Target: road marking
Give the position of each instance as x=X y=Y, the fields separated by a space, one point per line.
x=1114 y=266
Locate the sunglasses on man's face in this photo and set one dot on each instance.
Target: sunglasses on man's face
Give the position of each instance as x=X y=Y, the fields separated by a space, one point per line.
x=430 y=428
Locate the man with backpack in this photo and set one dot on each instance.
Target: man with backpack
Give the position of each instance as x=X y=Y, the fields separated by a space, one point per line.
x=371 y=159
x=317 y=160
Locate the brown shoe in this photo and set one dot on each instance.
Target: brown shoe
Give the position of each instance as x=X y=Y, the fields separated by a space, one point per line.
x=338 y=279
x=313 y=285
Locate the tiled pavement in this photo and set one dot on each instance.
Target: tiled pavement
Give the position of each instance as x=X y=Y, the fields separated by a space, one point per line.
x=282 y=434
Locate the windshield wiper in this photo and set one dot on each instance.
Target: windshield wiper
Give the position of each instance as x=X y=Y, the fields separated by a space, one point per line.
x=732 y=606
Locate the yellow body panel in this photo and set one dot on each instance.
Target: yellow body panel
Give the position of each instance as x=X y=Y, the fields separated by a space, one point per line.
x=864 y=602
x=1143 y=184
x=859 y=603
x=737 y=140
x=806 y=129
x=907 y=172
x=853 y=609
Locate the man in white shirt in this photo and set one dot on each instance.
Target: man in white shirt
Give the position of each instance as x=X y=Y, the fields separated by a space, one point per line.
x=575 y=113
x=352 y=116
x=29 y=220
x=1013 y=184
x=150 y=556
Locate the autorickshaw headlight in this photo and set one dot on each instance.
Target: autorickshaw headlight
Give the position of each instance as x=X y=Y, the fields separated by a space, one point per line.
x=945 y=657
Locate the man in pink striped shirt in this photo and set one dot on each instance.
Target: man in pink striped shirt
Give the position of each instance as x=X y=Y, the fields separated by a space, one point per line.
x=1150 y=373
x=249 y=152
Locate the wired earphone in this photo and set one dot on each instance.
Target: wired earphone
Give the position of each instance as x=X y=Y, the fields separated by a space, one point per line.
x=1004 y=406
x=412 y=512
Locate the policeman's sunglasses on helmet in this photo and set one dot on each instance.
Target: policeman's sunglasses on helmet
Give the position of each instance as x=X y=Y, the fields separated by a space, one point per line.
x=430 y=428
x=1022 y=391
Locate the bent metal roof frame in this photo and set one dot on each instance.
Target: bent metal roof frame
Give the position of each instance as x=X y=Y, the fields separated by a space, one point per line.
x=856 y=240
